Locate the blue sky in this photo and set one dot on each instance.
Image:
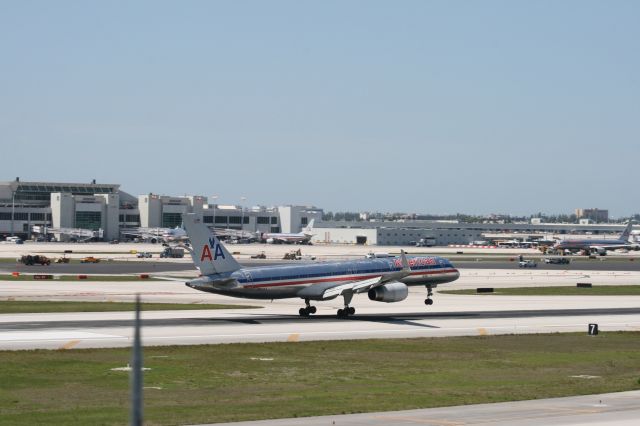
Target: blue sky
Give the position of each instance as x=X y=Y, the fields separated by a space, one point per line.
x=420 y=106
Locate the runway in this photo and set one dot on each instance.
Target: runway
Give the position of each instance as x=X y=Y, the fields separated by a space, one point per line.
x=278 y=322
x=620 y=409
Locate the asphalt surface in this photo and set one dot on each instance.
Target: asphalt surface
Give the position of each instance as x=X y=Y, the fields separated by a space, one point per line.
x=139 y=267
x=619 y=409
x=404 y=318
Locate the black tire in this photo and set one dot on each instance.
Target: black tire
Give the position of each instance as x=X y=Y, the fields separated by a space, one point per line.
x=340 y=313
x=303 y=312
x=428 y=302
x=312 y=309
x=352 y=311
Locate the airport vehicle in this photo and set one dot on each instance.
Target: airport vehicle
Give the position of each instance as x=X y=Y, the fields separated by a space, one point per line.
x=37 y=259
x=590 y=246
x=426 y=242
x=90 y=259
x=260 y=255
x=556 y=260
x=14 y=240
x=303 y=237
x=144 y=255
x=172 y=252
x=384 y=280
x=528 y=263
x=297 y=255
x=63 y=259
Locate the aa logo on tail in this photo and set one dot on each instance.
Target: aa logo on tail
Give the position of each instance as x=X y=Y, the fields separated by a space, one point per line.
x=206 y=251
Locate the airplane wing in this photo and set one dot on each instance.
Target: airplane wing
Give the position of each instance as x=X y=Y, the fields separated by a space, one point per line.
x=332 y=290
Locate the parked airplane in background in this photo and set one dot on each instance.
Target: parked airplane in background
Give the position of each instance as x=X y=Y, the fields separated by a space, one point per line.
x=155 y=235
x=599 y=246
x=383 y=279
x=303 y=237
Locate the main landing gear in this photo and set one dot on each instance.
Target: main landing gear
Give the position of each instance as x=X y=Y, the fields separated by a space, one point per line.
x=429 y=300
x=307 y=310
x=344 y=313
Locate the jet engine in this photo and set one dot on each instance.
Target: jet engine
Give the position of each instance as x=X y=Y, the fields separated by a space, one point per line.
x=391 y=292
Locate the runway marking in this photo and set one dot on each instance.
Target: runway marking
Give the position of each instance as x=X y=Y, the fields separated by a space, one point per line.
x=293 y=337
x=482 y=331
x=69 y=345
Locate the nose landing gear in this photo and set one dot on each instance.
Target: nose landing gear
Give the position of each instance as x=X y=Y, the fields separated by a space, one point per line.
x=429 y=300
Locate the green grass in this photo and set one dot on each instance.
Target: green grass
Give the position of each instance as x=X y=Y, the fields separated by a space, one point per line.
x=603 y=290
x=115 y=278
x=219 y=383
x=29 y=306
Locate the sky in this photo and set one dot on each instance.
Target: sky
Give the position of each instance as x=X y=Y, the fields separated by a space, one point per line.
x=436 y=107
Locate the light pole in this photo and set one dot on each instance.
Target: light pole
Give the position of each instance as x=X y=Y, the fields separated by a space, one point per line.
x=214 y=198
x=13 y=208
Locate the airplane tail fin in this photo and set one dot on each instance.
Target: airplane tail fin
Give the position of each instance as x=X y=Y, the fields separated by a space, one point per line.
x=208 y=254
x=309 y=227
x=626 y=234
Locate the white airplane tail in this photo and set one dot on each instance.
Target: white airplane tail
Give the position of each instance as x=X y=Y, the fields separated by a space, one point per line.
x=208 y=254
x=309 y=228
x=626 y=234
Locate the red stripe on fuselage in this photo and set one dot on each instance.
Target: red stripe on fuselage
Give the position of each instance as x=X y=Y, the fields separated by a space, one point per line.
x=349 y=278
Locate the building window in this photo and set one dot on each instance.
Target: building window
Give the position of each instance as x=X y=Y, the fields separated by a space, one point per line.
x=21 y=216
x=89 y=220
x=275 y=229
x=121 y=218
x=5 y=216
x=245 y=220
x=37 y=216
x=274 y=221
x=133 y=218
x=221 y=219
x=207 y=219
x=171 y=220
x=304 y=221
x=234 y=219
x=262 y=220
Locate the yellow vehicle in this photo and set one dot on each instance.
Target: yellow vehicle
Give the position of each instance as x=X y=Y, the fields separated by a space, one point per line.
x=90 y=259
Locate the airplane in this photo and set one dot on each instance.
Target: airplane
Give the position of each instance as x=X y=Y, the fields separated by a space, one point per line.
x=599 y=246
x=303 y=237
x=155 y=235
x=383 y=279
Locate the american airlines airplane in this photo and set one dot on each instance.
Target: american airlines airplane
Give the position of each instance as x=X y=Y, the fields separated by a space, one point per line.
x=383 y=279
x=302 y=237
x=599 y=246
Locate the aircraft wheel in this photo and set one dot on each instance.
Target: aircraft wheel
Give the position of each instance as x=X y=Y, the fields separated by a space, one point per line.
x=312 y=309
x=428 y=301
x=352 y=311
x=303 y=312
x=340 y=313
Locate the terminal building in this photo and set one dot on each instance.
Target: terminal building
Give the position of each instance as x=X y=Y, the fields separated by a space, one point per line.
x=68 y=208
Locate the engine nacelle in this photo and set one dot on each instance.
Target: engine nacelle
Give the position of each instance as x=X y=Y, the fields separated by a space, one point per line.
x=391 y=292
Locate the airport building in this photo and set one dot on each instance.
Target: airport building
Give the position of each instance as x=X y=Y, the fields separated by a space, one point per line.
x=68 y=209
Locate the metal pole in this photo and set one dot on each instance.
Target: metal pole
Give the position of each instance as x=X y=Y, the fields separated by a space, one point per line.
x=13 y=208
x=136 y=371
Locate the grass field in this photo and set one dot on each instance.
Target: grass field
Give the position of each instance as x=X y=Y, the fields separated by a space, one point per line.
x=216 y=383
x=603 y=290
x=28 y=306
x=104 y=278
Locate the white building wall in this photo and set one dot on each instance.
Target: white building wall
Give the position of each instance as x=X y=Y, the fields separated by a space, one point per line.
x=344 y=235
x=63 y=210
